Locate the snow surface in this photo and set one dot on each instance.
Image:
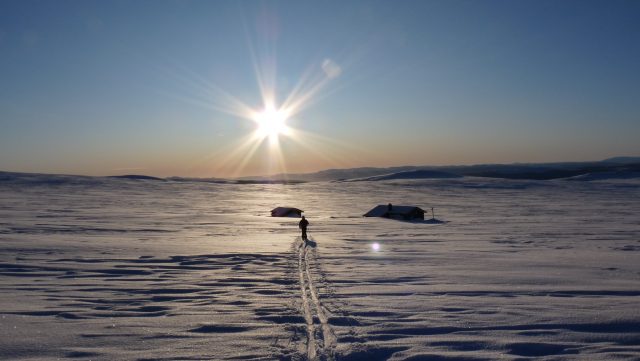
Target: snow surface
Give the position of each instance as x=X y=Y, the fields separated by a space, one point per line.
x=605 y=176
x=412 y=174
x=121 y=269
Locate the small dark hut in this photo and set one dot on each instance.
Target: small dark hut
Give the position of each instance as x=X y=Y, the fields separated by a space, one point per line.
x=406 y=213
x=286 y=212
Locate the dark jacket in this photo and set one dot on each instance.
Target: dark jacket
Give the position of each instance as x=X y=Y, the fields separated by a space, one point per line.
x=303 y=223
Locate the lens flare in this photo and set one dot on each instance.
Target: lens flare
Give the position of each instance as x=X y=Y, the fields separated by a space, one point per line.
x=375 y=247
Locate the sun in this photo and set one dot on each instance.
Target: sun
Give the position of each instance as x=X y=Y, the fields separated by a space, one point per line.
x=271 y=123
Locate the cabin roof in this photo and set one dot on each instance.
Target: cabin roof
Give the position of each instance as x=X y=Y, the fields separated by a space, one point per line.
x=382 y=210
x=283 y=211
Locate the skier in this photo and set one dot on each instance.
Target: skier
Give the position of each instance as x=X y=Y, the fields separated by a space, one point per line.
x=303 y=226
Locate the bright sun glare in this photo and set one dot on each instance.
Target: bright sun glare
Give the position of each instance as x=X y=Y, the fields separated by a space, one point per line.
x=271 y=120
x=271 y=123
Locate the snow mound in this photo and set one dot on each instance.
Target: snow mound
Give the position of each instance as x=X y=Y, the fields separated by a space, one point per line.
x=606 y=176
x=412 y=174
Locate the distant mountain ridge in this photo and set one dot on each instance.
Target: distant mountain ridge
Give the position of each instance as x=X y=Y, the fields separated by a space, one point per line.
x=616 y=167
x=137 y=177
x=533 y=171
x=626 y=160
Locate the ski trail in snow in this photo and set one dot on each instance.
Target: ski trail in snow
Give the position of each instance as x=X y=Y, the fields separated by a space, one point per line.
x=306 y=307
x=313 y=305
x=327 y=333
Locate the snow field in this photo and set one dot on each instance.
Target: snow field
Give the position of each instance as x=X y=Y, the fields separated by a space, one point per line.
x=141 y=270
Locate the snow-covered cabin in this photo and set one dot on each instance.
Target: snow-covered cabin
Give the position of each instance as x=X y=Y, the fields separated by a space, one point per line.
x=396 y=212
x=286 y=212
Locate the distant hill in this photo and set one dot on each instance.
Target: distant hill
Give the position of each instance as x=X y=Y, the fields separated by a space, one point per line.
x=412 y=174
x=626 y=160
x=616 y=167
x=533 y=171
x=333 y=174
x=201 y=180
x=606 y=176
x=137 y=177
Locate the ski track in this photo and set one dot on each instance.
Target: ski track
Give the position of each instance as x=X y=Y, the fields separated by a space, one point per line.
x=311 y=342
x=311 y=305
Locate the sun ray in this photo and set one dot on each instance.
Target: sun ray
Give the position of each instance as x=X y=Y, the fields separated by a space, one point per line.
x=330 y=149
x=202 y=93
x=270 y=120
x=247 y=157
x=303 y=83
x=319 y=150
x=304 y=92
x=234 y=154
x=265 y=70
x=208 y=95
x=280 y=158
x=314 y=150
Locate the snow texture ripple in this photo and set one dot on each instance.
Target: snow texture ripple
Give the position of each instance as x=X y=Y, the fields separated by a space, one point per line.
x=139 y=269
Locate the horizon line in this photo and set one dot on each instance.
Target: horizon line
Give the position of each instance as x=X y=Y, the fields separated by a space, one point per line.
x=325 y=170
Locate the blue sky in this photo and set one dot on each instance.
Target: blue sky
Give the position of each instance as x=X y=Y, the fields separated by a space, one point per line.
x=113 y=87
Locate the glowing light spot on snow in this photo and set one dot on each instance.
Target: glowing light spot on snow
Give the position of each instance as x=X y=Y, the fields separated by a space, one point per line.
x=375 y=247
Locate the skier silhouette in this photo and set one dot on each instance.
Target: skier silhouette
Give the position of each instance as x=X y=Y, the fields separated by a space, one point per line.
x=303 y=226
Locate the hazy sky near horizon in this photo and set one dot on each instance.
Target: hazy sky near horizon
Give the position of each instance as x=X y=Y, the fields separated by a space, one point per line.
x=167 y=87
